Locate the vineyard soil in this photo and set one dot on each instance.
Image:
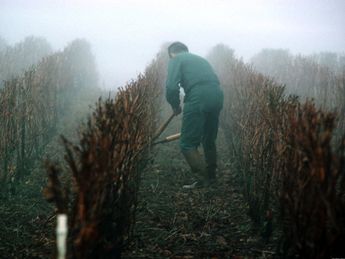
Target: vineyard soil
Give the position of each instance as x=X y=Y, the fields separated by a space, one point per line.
x=202 y=223
x=171 y=222
x=27 y=220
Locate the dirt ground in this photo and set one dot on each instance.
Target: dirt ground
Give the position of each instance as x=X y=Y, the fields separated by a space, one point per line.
x=27 y=220
x=204 y=223
x=171 y=222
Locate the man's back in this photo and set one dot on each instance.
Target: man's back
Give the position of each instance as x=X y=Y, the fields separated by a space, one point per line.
x=202 y=105
x=188 y=70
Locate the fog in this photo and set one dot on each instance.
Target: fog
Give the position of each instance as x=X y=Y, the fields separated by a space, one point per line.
x=125 y=35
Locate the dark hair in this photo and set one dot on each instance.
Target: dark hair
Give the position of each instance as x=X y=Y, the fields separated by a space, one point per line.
x=177 y=47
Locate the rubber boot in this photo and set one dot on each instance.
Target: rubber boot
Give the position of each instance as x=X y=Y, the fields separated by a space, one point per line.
x=198 y=167
x=211 y=161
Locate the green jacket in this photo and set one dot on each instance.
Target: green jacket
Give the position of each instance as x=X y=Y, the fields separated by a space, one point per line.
x=190 y=72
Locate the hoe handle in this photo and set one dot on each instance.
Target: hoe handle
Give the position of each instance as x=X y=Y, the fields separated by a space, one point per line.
x=163 y=127
x=169 y=139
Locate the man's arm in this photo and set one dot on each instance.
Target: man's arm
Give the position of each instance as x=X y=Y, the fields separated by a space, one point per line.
x=172 y=85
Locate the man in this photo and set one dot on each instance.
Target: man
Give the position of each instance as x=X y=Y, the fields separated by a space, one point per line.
x=202 y=104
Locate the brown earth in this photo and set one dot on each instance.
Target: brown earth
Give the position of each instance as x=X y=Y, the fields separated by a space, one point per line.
x=204 y=223
x=171 y=222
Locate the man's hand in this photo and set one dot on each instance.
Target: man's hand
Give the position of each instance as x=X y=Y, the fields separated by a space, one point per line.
x=177 y=111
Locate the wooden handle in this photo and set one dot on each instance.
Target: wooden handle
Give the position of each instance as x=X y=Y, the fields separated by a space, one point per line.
x=163 y=127
x=173 y=137
x=169 y=139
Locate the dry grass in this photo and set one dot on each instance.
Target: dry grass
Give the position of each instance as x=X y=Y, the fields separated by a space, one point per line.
x=31 y=106
x=291 y=173
x=312 y=184
x=105 y=167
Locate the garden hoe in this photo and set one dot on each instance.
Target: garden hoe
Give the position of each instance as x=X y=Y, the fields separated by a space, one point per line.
x=160 y=131
x=169 y=139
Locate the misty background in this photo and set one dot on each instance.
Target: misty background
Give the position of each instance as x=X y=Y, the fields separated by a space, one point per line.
x=125 y=35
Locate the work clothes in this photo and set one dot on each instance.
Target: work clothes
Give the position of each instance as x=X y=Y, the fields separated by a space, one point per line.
x=188 y=71
x=202 y=103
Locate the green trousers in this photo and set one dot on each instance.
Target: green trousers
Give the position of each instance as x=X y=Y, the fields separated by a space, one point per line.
x=200 y=121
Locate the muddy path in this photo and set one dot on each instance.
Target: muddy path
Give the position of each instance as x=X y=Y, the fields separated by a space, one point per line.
x=205 y=223
x=170 y=222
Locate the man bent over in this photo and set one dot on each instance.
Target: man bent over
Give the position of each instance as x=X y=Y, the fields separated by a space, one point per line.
x=202 y=104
